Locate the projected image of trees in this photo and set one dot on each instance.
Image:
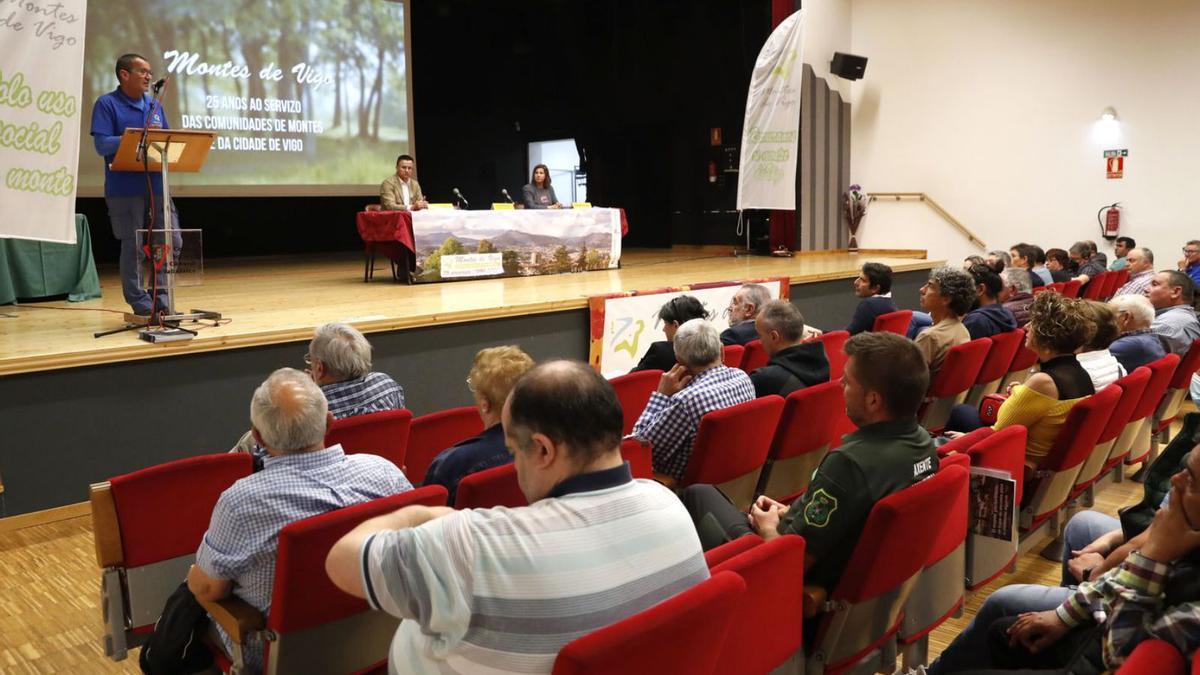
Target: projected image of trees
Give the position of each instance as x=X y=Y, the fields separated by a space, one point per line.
x=302 y=92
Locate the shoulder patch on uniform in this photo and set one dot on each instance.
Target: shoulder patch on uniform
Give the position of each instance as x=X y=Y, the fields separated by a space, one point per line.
x=820 y=508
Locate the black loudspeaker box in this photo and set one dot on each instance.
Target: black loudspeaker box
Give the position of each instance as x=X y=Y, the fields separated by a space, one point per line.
x=848 y=66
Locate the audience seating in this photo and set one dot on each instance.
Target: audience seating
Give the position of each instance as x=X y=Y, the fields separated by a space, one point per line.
x=768 y=626
x=1156 y=657
x=988 y=558
x=1133 y=387
x=996 y=366
x=806 y=428
x=143 y=549
x=1122 y=276
x=315 y=627
x=834 y=342
x=732 y=355
x=1177 y=390
x=720 y=554
x=430 y=434
x=1071 y=288
x=637 y=453
x=861 y=616
x=938 y=593
x=683 y=634
x=633 y=391
x=731 y=447
x=893 y=322
x=496 y=486
x=1112 y=281
x=1133 y=446
x=754 y=357
x=952 y=382
x=380 y=433
x=1021 y=368
x=1055 y=476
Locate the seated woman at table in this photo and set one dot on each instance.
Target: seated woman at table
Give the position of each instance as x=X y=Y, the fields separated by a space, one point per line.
x=538 y=194
x=674 y=313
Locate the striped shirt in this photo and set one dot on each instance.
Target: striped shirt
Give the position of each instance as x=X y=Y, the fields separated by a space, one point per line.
x=373 y=392
x=1138 y=284
x=502 y=590
x=243 y=534
x=670 y=423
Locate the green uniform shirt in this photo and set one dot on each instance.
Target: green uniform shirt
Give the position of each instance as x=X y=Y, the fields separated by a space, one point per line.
x=871 y=463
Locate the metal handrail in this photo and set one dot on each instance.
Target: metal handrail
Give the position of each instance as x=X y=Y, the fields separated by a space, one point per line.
x=936 y=207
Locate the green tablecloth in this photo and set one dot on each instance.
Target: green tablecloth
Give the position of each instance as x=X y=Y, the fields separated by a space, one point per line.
x=35 y=269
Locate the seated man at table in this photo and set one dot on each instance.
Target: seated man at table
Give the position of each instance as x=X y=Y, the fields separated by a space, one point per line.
x=402 y=192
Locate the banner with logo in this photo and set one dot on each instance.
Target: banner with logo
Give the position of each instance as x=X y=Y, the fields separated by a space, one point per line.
x=771 y=134
x=41 y=74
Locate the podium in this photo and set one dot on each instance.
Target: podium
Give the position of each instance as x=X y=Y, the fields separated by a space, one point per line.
x=164 y=151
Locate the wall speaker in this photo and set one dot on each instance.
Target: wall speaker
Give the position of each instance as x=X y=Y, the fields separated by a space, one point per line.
x=848 y=66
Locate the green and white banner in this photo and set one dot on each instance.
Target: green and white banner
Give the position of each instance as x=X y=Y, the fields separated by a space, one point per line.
x=771 y=134
x=41 y=72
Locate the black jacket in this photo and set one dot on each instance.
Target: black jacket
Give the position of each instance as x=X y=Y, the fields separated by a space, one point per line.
x=739 y=333
x=660 y=356
x=793 y=368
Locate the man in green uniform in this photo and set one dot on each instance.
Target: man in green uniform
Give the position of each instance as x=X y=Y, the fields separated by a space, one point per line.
x=885 y=380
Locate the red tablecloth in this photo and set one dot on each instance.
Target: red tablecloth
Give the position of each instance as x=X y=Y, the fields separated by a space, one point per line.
x=379 y=226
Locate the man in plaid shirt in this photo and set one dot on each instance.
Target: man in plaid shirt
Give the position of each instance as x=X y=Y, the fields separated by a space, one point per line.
x=698 y=384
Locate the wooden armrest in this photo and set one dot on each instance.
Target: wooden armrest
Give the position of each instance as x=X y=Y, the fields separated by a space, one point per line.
x=666 y=480
x=814 y=600
x=238 y=617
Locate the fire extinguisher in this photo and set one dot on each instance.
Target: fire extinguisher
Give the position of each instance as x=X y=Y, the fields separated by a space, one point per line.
x=1110 y=224
x=712 y=171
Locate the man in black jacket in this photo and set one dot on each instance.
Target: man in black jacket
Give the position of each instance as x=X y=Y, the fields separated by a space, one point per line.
x=794 y=364
x=874 y=286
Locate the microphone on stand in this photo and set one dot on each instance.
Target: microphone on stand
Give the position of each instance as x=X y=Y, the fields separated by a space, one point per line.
x=461 y=198
x=140 y=155
x=159 y=85
x=504 y=192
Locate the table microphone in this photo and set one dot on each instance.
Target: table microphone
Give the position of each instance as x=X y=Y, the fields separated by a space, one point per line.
x=504 y=192
x=461 y=198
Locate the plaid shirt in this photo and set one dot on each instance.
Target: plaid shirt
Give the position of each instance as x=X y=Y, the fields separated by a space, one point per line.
x=243 y=535
x=373 y=392
x=670 y=423
x=1138 y=284
x=1132 y=597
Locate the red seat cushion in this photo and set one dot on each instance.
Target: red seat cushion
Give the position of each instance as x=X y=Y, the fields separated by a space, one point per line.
x=497 y=486
x=633 y=391
x=808 y=421
x=733 y=441
x=430 y=434
x=380 y=433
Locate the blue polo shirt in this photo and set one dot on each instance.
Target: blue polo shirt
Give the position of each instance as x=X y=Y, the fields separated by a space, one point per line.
x=1193 y=271
x=112 y=114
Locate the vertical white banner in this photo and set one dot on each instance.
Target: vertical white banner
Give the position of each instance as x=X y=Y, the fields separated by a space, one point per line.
x=41 y=76
x=771 y=133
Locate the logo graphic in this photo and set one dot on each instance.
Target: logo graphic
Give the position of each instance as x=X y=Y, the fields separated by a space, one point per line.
x=820 y=508
x=628 y=345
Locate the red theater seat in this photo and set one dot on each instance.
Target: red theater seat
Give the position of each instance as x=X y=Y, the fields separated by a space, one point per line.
x=381 y=433
x=732 y=355
x=731 y=447
x=996 y=366
x=497 y=486
x=952 y=382
x=1134 y=444
x=805 y=431
x=1002 y=451
x=633 y=391
x=430 y=434
x=834 y=342
x=1156 y=657
x=755 y=356
x=894 y=322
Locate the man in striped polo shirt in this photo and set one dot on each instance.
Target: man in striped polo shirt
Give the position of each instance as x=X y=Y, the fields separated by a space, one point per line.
x=504 y=589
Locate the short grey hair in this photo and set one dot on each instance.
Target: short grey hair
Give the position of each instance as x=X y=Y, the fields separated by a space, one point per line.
x=783 y=316
x=343 y=349
x=1015 y=277
x=957 y=286
x=697 y=343
x=756 y=294
x=1002 y=256
x=1147 y=254
x=1081 y=248
x=289 y=411
x=1138 y=307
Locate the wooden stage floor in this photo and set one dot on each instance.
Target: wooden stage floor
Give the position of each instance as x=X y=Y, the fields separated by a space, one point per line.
x=280 y=299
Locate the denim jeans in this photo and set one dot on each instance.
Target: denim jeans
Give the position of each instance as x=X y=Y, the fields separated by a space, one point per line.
x=970 y=649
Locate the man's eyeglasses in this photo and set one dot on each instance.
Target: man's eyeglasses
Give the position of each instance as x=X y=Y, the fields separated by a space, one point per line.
x=1191 y=251
x=307 y=359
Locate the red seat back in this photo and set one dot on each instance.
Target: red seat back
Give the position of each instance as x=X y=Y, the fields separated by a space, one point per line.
x=1000 y=357
x=1071 y=288
x=964 y=443
x=1133 y=387
x=1003 y=451
x=1156 y=657
x=497 y=486
x=1161 y=372
x=733 y=441
x=1077 y=437
x=893 y=322
x=430 y=434
x=808 y=420
x=733 y=355
x=683 y=634
x=637 y=453
x=1182 y=379
x=633 y=391
x=960 y=369
x=1094 y=288
x=755 y=356
x=1112 y=282
x=163 y=511
x=718 y=555
x=1024 y=359
x=774 y=576
x=303 y=596
x=834 y=342
x=953 y=531
x=379 y=433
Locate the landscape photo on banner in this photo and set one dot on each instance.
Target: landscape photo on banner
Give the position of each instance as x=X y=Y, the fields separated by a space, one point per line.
x=306 y=96
x=41 y=67
x=771 y=132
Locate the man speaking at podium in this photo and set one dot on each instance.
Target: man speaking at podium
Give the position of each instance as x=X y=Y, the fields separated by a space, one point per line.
x=125 y=192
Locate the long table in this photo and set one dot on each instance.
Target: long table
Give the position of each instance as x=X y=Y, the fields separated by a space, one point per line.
x=450 y=244
x=36 y=269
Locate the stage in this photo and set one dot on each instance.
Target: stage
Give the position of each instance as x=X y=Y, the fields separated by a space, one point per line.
x=80 y=409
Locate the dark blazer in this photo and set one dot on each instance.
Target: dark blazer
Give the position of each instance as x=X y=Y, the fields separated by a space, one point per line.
x=660 y=356
x=739 y=333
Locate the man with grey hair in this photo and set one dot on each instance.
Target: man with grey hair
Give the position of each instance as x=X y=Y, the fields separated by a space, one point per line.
x=794 y=364
x=1140 y=263
x=743 y=307
x=339 y=359
x=1091 y=262
x=698 y=384
x=1017 y=293
x=300 y=478
x=1172 y=293
x=1137 y=345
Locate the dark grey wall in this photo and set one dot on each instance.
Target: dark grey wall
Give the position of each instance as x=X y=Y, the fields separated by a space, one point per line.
x=66 y=429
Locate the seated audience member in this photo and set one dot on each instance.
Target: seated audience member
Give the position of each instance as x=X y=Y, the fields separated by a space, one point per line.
x=999 y=261
x=502 y=590
x=538 y=194
x=1058 y=263
x=1017 y=295
x=1172 y=293
x=794 y=364
x=300 y=478
x=1140 y=262
x=1039 y=265
x=1097 y=255
x=1023 y=257
x=1150 y=592
x=874 y=285
x=493 y=374
x=743 y=307
x=1121 y=248
x=699 y=384
x=947 y=296
x=1137 y=344
x=401 y=191
x=673 y=314
x=884 y=385
x=989 y=317
x=1089 y=262
x=972 y=260
x=1190 y=265
x=1095 y=357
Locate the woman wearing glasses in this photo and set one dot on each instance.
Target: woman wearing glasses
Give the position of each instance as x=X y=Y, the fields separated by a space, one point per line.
x=674 y=313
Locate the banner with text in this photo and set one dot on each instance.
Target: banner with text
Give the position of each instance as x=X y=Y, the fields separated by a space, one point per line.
x=41 y=72
x=771 y=134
